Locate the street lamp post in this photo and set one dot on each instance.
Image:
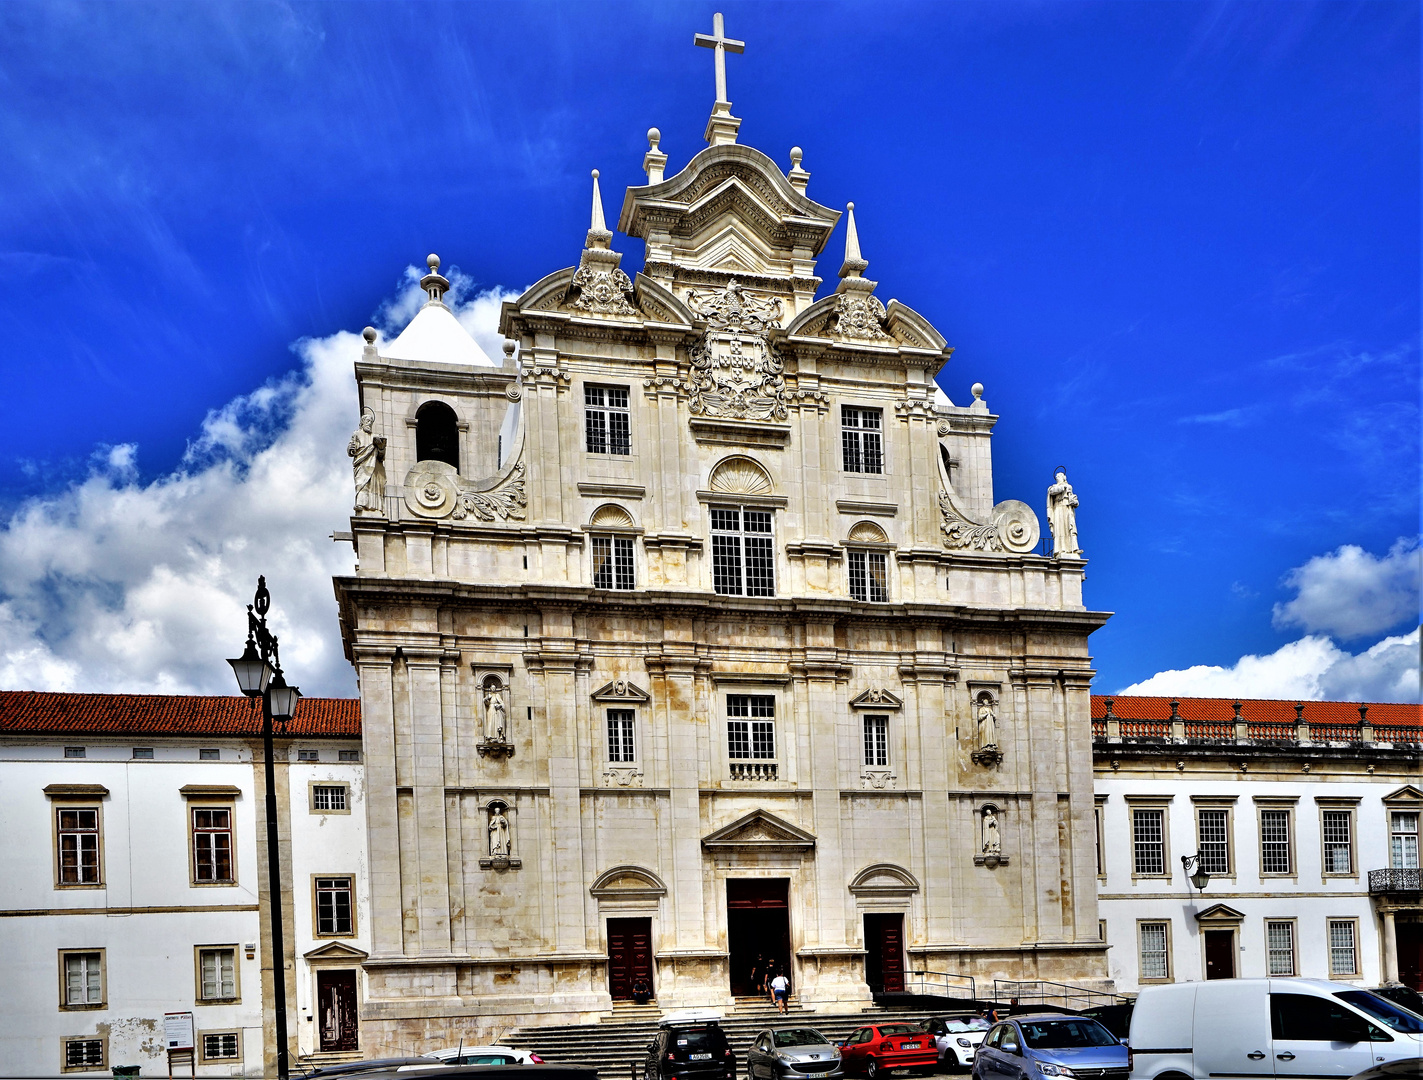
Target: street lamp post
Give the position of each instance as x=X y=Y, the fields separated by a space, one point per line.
x=1192 y=865
x=259 y=675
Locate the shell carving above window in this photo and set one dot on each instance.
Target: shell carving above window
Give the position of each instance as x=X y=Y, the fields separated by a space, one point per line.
x=867 y=532
x=611 y=517
x=740 y=476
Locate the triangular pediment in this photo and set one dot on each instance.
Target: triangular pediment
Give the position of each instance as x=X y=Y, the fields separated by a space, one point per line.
x=621 y=690
x=759 y=829
x=1219 y=913
x=335 y=950
x=1406 y=794
x=876 y=699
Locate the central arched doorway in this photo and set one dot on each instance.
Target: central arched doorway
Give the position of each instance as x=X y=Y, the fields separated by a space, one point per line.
x=758 y=932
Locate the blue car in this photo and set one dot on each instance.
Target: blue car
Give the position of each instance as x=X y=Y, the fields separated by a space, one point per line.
x=1035 y=1045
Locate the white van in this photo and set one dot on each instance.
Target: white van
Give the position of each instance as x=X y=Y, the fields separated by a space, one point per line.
x=1251 y=1029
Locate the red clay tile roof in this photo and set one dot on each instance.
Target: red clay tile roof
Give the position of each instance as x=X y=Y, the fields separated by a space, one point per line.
x=1256 y=710
x=32 y=713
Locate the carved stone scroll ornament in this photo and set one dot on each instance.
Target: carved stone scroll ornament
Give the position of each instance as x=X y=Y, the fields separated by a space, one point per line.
x=735 y=371
x=367 y=452
x=433 y=489
x=1013 y=530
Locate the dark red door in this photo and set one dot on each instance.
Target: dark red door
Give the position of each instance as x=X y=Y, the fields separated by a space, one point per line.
x=1220 y=954
x=336 y=1005
x=1409 y=936
x=884 y=953
x=629 y=956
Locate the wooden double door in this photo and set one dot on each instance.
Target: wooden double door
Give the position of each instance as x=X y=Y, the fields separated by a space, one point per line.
x=884 y=953
x=336 y=1010
x=629 y=957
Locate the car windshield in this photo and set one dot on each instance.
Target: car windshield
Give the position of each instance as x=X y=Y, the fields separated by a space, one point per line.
x=696 y=1040
x=799 y=1037
x=899 y=1029
x=973 y=1023
x=1065 y=1034
x=1384 y=1011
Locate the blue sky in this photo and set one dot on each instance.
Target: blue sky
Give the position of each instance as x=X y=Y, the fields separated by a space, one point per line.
x=1177 y=242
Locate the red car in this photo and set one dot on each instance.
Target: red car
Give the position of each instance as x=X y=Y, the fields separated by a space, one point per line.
x=877 y=1048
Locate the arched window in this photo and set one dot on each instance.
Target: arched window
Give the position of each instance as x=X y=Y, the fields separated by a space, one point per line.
x=437 y=434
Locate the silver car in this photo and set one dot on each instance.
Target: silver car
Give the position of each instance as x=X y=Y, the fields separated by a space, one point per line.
x=790 y=1053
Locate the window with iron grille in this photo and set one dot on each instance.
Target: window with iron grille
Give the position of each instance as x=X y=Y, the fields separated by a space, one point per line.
x=83 y=978
x=869 y=576
x=1274 y=841
x=877 y=740
x=620 y=735
x=606 y=422
x=217 y=974
x=212 y=844
x=1280 y=948
x=1343 y=955
x=333 y=907
x=328 y=797
x=1213 y=828
x=84 y=1053
x=750 y=726
x=612 y=562
x=1155 y=955
x=221 y=1046
x=743 y=559
x=78 y=846
x=1338 y=841
x=1403 y=840
x=860 y=440
x=1148 y=841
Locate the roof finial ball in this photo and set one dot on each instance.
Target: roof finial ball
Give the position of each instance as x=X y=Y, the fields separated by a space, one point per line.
x=653 y=137
x=796 y=154
x=369 y=333
x=797 y=176
x=977 y=389
x=509 y=349
x=433 y=262
x=434 y=285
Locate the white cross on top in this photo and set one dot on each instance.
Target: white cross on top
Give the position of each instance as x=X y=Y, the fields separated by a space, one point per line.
x=718 y=40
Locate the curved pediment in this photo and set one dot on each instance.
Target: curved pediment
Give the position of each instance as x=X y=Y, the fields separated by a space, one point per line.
x=628 y=883
x=660 y=304
x=884 y=879
x=910 y=328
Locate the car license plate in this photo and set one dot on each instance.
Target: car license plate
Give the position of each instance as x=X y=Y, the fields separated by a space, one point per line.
x=909 y=1046
x=698 y=1057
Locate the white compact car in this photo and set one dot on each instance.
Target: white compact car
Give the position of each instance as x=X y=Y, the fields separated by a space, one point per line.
x=1270 y=1029
x=485 y=1055
x=957 y=1038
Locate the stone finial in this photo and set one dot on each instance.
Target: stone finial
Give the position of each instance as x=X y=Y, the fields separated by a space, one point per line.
x=854 y=265
x=598 y=235
x=1363 y=714
x=509 y=347
x=369 y=333
x=1236 y=706
x=434 y=285
x=1109 y=703
x=1174 y=714
x=797 y=176
x=654 y=162
x=977 y=391
x=1299 y=712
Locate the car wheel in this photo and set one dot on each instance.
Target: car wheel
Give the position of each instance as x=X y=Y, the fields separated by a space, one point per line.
x=871 y=1069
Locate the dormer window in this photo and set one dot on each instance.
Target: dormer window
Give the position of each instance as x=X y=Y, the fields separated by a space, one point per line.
x=607 y=424
x=437 y=434
x=861 y=440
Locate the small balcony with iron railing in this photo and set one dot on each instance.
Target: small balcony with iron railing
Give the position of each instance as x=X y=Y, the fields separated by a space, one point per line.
x=1240 y=730
x=1395 y=881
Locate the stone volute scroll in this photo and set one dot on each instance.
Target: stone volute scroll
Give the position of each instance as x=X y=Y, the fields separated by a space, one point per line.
x=493 y=704
x=736 y=373
x=985 y=715
x=367 y=452
x=1013 y=529
x=990 y=838
x=1062 y=516
x=500 y=830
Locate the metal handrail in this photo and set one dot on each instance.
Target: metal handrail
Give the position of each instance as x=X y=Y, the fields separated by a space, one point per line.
x=1044 y=992
x=942 y=984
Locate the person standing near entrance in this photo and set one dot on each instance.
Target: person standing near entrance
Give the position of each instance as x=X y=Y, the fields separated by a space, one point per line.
x=780 y=991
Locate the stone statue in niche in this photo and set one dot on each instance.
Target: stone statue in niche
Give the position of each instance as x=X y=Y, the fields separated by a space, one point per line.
x=992 y=840
x=495 y=720
x=1062 y=515
x=986 y=716
x=498 y=832
x=367 y=452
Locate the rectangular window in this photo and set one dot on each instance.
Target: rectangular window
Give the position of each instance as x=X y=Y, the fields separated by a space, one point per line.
x=328 y=797
x=1403 y=840
x=1155 y=953
x=333 y=907
x=217 y=974
x=143 y=753
x=620 y=735
x=74 y=751
x=1338 y=841
x=860 y=438
x=1097 y=828
x=612 y=562
x=1214 y=835
x=1274 y=841
x=869 y=576
x=876 y=740
x=83 y=978
x=348 y=755
x=308 y=755
x=606 y=421
x=84 y=1053
x=78 y=845
x=1148 y=841
x=751 y=727
x=209 y=753
x=1280 y=948
x=1343 y=955
x=222 y=1046
x=212 y=844
x=743 y=559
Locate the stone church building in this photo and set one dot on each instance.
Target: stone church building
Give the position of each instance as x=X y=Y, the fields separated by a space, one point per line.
x=693 y=644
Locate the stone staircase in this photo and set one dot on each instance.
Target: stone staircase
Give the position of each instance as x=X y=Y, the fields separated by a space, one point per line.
x=617 y=1045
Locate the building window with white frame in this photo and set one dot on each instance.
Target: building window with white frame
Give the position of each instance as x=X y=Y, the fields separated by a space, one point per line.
x=217 y=974
x=751 y=727
x=212 y=845
x=85 y=1053
x=877 y=741
x=335 y=910
x=1403 y=839
x=83 y=979
x=1213 y=833
x=861 y=439
x=1343 y=948
x=622 y=746
x=607 y=426
x=1338 y=827
x=1148 y=841
x=869 y=576
x=612 y=562
x=1155 y=961
x=1275 y=842
x=743 y=555
x=1280 y=947
x=221 y=1045
x=77 y=834
x=329 y=798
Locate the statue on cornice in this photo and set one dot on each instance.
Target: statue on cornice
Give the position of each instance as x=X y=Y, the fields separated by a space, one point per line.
x=1062 y=515
x=367 y=452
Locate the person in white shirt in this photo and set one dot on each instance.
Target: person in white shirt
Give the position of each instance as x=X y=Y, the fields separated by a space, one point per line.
x=780 y=991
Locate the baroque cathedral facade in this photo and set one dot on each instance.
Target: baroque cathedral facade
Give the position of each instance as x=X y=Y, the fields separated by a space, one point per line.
x=692 y=643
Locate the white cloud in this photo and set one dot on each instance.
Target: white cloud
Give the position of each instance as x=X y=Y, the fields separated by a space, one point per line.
x=1352 y=593
x=115 y=585
x=1313 y=668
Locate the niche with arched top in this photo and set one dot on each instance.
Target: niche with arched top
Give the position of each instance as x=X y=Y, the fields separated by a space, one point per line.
x=437 y=434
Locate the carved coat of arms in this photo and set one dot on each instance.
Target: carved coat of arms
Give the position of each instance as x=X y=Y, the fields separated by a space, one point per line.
x=735 y=370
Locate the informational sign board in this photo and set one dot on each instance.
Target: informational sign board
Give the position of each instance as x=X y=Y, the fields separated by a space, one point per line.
x=178 y=1031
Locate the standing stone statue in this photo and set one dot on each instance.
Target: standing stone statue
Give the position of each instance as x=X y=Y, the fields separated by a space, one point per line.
x=367 y=451
x=992 y=841
x=498 y=832
x=1062 y=516
x=987 y=724
x=494 y=718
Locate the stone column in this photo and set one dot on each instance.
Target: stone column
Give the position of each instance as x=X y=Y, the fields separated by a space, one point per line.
x=1390 y=949
x=427 y=751
x=382 y=825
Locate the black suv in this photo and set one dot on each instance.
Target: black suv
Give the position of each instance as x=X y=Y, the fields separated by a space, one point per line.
x=691 y=1051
